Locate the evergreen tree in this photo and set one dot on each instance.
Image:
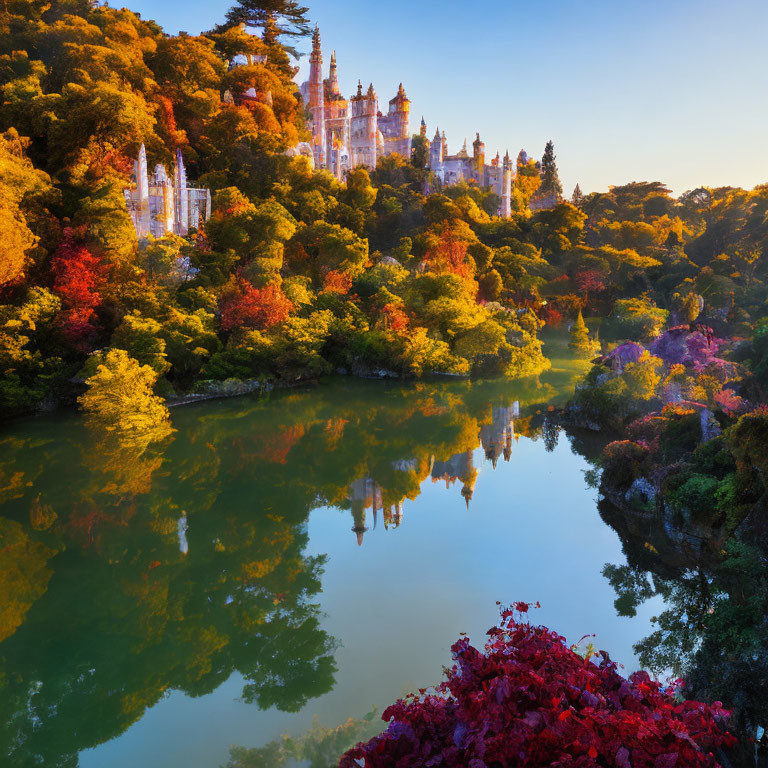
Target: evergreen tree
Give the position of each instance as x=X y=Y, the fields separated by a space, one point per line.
x=420 y=151
x=580 y=341
x=278 y=18
x=550 y=181
x=578 y=196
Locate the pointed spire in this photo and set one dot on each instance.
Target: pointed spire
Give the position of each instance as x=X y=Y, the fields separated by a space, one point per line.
x=371 y=92
x=316 y=38
x=437 y=134
x=333 y=78
x=359 y=89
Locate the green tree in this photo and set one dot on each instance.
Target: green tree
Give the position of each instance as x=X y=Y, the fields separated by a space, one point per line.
x=284 y=18
x=140 y=338
x=419 y=151
x=550 y=180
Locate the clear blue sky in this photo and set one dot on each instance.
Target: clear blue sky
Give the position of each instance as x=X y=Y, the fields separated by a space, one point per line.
x=669 y=90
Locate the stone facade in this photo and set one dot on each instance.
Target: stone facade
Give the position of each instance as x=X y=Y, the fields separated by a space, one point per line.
x=159 y=204
x=463 y=167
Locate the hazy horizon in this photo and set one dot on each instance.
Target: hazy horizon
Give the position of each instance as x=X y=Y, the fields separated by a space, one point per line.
x=665 y=92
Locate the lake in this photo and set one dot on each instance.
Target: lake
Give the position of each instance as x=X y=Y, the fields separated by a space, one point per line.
x=313 y=552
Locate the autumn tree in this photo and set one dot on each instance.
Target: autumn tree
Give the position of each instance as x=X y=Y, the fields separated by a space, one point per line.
x=643 y=377
x=245 y=306
x=120 y=400
x=77 y=277
x=527 y=182
x=20 y=181
x=140 y=338
x=482 y=714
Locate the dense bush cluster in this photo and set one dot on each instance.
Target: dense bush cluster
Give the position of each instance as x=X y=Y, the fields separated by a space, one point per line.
x=528 y=699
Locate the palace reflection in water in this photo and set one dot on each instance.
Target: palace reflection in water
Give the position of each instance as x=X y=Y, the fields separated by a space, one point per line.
x=495 y=438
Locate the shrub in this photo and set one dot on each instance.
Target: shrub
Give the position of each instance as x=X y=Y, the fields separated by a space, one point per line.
x=634 y=319
x=624 y=462
x=529 y=700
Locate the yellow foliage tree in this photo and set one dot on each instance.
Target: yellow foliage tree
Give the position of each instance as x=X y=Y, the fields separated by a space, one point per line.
x=120 y=400
x=643 y=376
x=19 y=179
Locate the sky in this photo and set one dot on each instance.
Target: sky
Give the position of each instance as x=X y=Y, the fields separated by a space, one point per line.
x=659 y=90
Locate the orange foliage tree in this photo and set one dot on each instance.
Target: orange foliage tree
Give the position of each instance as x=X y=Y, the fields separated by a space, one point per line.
x=260 y=308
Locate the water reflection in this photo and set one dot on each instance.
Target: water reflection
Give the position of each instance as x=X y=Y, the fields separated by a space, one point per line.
x=130 y=571
x=367 y=494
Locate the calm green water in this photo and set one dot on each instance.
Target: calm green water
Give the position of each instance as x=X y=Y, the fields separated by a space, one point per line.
x=309 y=553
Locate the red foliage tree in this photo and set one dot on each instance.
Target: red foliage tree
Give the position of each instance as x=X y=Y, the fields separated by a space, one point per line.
x=249 y=307
x=449 y=254
x=529 y=700
x=590 y=281
x=336 y=281
x=77 y=275
x=394 y=317
x=551 y=316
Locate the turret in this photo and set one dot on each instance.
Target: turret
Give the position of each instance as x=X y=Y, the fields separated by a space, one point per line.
x=436 y=151
x=399 y=110
x=506 y=188
x=423 y=129
x=364 y=127
x=142 y=189
x=165 y=216
x=478 y=155
x=317 y=100
x=180 y=195
x=333 y=76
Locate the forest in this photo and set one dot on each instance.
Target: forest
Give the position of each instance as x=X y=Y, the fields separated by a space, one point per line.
x=297 y=277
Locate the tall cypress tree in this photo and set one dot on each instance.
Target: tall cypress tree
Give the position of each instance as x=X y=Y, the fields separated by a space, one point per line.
x=550 y=181
x=578 y=196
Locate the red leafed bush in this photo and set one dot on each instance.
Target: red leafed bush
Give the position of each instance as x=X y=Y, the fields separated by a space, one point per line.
x=250 y=307
x=551 y=316
x=77 y=275
x=529 y=700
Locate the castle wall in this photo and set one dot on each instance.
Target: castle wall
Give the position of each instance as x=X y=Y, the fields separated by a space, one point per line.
x=159 y=204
